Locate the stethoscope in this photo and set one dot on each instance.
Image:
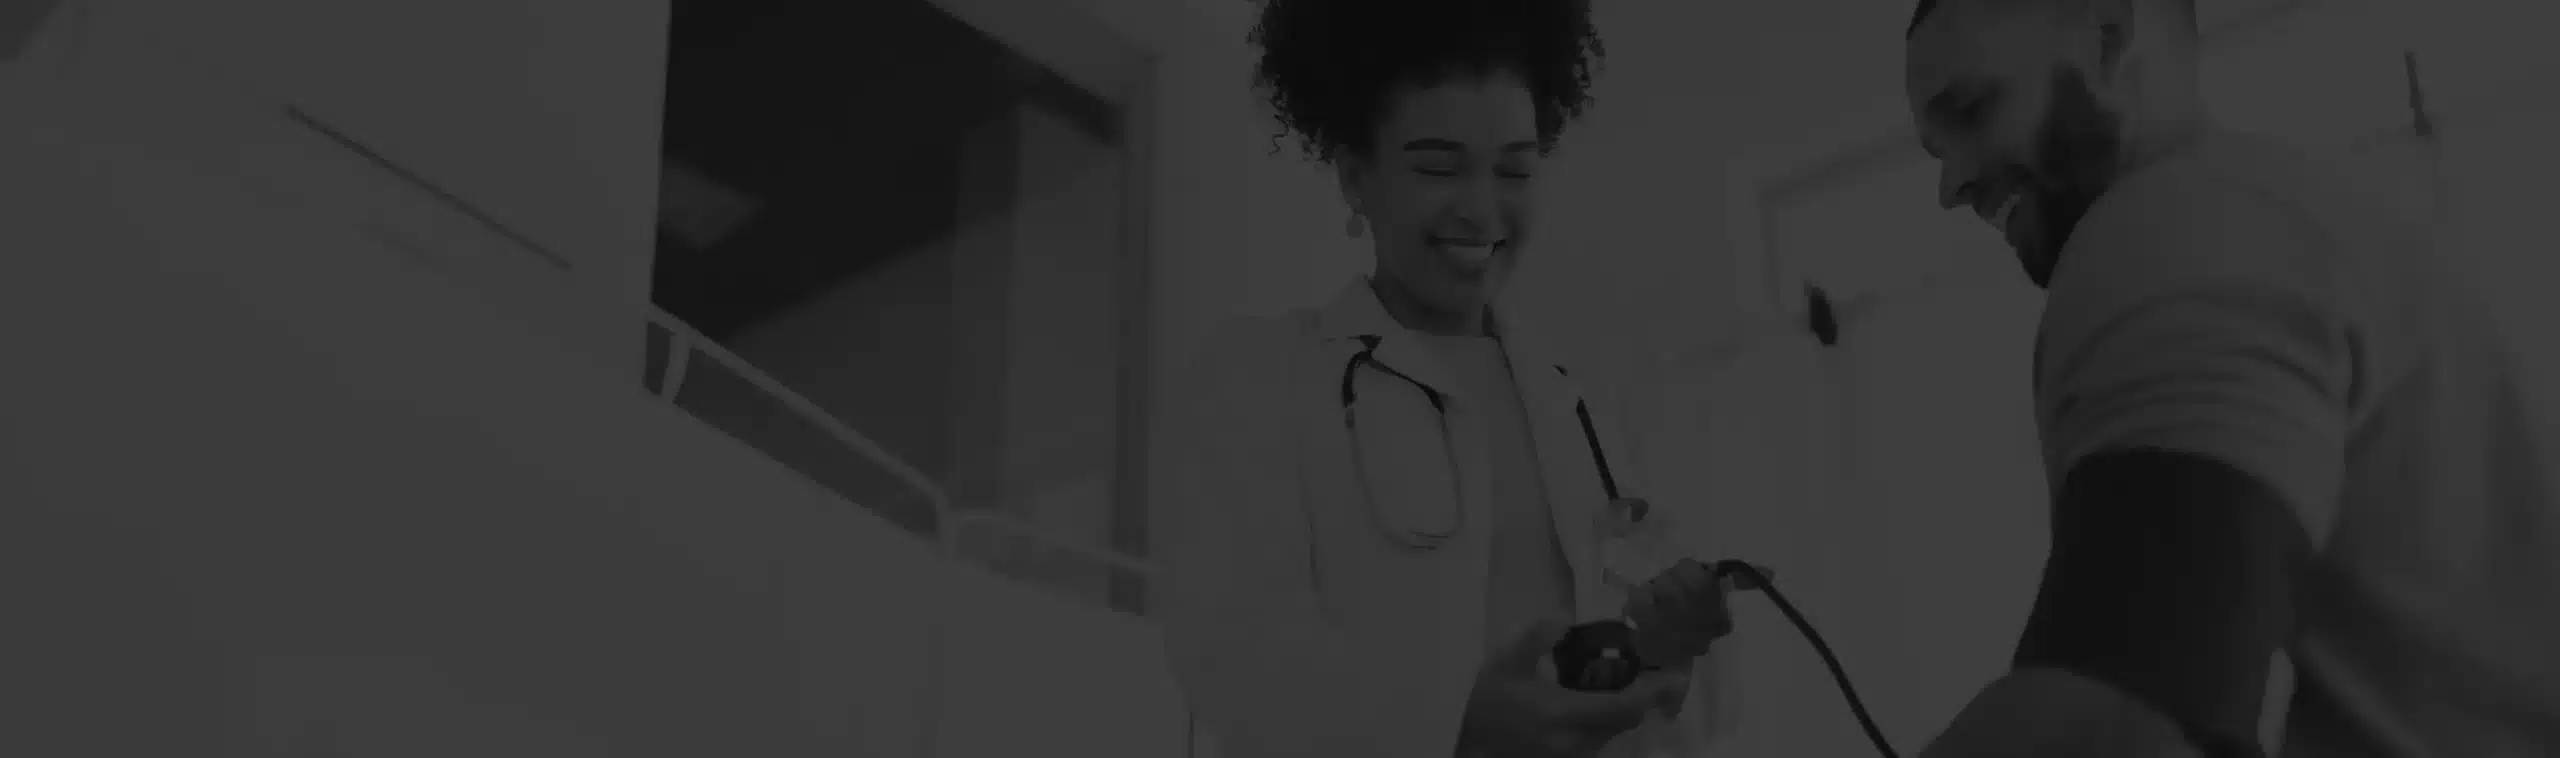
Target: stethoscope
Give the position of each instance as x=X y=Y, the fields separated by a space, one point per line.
x=1591 y=641
x=1431 y=537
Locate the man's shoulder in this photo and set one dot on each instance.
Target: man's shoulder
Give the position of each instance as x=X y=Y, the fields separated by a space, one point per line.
x=2222 y=237
x=2239 y=215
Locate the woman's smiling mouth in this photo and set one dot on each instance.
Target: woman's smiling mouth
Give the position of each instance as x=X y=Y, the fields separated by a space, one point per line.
x=1468 y=253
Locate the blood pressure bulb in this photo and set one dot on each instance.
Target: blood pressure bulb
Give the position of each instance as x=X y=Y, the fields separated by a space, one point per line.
x=1599 y=656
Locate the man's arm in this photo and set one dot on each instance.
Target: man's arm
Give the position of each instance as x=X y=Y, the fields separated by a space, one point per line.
x=2198 y=378
x=2173 y=578
x=2171 y=585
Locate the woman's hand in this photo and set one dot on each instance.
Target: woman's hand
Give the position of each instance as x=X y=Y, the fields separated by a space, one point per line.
x=1519 y=711
x=1676 y=604
x=1679 y=613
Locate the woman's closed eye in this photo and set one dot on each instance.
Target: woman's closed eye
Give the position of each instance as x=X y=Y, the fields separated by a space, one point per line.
x=1447 y=172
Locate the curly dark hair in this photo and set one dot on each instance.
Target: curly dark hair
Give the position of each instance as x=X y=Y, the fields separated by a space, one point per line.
x=1328 y=66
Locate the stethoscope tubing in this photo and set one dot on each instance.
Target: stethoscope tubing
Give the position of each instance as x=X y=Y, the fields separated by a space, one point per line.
x=1422 y=538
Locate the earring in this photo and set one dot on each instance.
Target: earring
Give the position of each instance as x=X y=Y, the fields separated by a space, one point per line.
x=1356 y=226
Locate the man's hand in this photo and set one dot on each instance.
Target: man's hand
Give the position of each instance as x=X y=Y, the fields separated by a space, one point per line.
x=2047 y=713
x=1517 y=711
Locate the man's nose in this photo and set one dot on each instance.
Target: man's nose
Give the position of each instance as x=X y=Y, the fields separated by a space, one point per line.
x=1953 y=185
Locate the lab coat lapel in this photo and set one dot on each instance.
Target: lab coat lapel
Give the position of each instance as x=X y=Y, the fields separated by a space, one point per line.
x=1575 y=497
x=1456 y=571
x=1355 y=313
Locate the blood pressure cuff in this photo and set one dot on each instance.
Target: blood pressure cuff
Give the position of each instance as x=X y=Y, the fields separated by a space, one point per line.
x=2172 y=578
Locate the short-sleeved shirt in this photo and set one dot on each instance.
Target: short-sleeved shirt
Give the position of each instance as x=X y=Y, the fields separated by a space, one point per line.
x=2238 y=303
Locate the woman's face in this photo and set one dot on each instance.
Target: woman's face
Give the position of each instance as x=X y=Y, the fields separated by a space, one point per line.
x=1448 y=191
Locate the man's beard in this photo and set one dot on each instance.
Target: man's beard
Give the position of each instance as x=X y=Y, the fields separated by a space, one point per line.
x=2078 y=150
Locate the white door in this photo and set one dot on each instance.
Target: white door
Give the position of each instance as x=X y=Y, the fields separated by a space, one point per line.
x=2488 y=76
x=1931 y=487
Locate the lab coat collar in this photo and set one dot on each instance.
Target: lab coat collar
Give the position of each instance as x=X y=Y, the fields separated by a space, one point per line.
x=1356 y=312
x=1575 y=496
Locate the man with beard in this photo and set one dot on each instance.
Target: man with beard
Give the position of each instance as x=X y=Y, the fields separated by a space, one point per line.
x=2273 y=421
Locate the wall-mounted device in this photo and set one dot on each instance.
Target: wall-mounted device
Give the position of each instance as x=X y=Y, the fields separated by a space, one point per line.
x=1819 y=316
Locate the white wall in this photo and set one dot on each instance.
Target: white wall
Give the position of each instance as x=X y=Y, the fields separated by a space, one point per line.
x=1238 y=229
x=2499 y=171
x=19 y=26
x=2491 y=81
x=542 y=116
x=324 y=493
x=1633 y=261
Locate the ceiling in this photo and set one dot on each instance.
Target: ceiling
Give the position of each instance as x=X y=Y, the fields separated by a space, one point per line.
x=2216 y=16
x=843 y=122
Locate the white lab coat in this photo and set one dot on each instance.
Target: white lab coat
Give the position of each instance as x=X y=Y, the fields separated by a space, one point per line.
x=1295 y=626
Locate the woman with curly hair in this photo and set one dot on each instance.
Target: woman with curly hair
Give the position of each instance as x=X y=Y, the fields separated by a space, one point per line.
x=1387 y=511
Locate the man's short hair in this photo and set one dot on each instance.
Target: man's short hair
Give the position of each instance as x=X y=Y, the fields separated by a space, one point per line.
x=1918 y=15
x=2186 y=8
